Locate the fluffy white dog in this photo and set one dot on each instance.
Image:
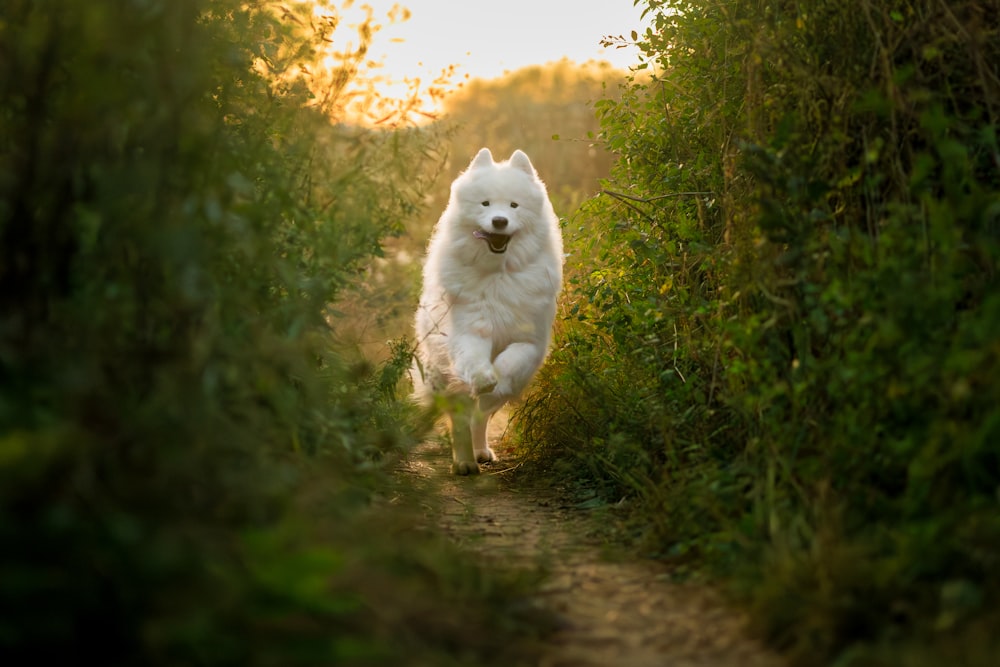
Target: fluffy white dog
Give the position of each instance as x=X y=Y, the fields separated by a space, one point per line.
x=491 y=278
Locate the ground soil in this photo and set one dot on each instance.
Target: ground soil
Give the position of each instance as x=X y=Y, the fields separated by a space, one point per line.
x=609 y=611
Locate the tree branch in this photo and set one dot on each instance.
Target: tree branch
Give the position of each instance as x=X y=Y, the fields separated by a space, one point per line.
x=646 y=200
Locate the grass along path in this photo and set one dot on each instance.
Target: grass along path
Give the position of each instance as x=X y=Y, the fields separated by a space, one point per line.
x=607 y=611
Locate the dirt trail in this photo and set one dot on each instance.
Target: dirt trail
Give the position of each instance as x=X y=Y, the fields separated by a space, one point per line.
x=625 y=614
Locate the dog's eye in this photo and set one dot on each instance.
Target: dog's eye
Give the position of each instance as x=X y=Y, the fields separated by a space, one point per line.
x=513 y=204
x=486 y=203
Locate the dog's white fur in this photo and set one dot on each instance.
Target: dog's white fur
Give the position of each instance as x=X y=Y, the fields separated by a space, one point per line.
x=485 y=317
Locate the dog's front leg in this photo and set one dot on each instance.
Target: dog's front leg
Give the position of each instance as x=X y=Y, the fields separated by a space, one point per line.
x=470 y=355
x=479 y=423
x=463 y=458
x=514 y=367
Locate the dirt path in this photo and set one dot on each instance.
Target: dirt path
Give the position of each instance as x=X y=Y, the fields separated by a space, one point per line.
x=625 y=614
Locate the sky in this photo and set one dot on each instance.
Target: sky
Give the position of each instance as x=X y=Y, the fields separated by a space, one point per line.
x=478 y=38
x=484 y=38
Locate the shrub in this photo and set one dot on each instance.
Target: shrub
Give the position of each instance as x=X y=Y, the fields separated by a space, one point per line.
x=182 y=451
x=783 y=314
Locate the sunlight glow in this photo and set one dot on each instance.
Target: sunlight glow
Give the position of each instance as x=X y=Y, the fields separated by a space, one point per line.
x=404 y=60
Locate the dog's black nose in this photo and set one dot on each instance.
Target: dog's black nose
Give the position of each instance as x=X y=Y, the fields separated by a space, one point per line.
x=499 y=222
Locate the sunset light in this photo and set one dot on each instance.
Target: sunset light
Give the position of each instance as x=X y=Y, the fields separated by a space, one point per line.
x=420 y=50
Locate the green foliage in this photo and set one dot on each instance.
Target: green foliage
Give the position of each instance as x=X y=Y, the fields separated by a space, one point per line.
x=782 y=321
x=182 y=450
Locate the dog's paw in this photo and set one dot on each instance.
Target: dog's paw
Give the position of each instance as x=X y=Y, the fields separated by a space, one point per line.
x=464 y=468
x=483 y=381
x=486 y=456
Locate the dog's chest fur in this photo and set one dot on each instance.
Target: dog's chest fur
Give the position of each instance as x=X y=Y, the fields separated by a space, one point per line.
x=505 y=305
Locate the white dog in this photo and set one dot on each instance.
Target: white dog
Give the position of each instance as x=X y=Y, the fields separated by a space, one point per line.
x=491 y=278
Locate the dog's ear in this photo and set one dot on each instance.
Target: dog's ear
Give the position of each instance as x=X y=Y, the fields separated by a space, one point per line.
x=484 y=158
x=519 y=160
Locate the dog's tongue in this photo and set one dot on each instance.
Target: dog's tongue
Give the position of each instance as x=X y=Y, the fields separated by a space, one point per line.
x=496 y=242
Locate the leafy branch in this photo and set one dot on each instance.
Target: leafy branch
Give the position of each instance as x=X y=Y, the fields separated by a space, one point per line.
x=628 y=199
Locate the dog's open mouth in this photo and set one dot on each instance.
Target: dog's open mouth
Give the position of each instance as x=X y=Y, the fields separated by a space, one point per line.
x=496 y=242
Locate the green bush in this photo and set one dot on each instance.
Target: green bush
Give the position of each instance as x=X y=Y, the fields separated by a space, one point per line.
x=781 y=327
x=183 y=453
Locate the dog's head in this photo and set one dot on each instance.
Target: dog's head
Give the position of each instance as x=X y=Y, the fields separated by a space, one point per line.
x=500 y=200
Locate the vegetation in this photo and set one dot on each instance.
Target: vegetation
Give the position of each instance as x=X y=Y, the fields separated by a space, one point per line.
x=778 y=344
x=780 y=332
x=187 y=464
